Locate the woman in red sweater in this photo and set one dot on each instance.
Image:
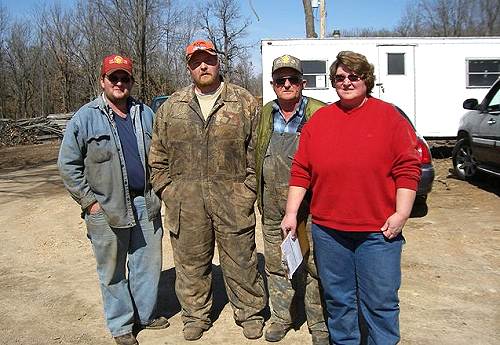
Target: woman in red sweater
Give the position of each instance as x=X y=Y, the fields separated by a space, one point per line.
x=358 y=156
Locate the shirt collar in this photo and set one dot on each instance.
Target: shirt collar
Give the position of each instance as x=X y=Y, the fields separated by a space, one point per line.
x=299 y=110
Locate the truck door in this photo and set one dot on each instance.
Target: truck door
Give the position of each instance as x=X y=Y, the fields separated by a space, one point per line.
x=395 y=81
x=486 y=137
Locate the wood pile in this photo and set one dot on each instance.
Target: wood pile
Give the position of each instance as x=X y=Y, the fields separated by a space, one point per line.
x=33 y=130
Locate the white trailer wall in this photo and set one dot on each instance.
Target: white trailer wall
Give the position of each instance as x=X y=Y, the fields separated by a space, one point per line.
x=432 y=89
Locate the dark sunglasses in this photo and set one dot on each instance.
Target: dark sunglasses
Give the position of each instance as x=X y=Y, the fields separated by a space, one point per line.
x=339 y=78
x=292 y=79
x=114 y=79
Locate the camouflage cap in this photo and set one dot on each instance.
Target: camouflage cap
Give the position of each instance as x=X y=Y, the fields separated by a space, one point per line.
x=287 y=61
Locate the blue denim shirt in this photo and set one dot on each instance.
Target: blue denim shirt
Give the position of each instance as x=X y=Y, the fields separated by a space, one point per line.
x=92 y=165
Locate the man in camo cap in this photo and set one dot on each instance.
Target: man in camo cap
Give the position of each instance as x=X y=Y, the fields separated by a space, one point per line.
x=278 y=133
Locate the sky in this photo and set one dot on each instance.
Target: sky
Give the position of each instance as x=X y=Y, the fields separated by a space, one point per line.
x=278 y=19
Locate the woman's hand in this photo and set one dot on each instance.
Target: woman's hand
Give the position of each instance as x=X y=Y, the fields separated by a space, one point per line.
x=393 y=225
x=289 y=225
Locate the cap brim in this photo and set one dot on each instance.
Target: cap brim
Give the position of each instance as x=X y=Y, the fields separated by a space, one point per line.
x=117 y=69
x=295 y=69
x=209 y=51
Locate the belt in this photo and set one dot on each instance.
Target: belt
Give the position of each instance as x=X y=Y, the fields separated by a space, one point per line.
x=134 y=193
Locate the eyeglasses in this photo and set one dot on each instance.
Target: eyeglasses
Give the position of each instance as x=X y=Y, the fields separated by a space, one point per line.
x=195 y=61
x=295 y=80
x=114 y=79
x=339 y=78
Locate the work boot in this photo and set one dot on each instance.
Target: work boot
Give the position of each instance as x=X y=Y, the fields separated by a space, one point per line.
x=126 y=339
x=158 y=323
x=192 y=332
x=320 y=338
x=276 y=331
x=252 y=329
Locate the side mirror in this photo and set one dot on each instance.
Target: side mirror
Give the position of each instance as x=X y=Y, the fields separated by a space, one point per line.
x=470 y=104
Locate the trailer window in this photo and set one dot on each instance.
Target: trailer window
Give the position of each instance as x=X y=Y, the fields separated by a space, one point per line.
x=314 y=73
x=395 y=63
x=482 y=72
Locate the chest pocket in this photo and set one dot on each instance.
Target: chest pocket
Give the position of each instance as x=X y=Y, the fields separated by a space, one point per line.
x=99 y=148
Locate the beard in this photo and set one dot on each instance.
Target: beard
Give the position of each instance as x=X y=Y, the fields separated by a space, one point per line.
x=206 y=80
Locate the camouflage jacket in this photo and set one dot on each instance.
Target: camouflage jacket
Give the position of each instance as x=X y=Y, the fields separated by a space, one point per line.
x=186 y=147
x=263 y=136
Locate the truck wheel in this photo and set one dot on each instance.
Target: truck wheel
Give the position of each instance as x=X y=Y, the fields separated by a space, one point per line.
x=464 y=162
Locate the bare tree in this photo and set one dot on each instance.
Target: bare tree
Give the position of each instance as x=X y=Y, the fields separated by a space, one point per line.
x=367 y=32
x=450 y=18
x=309 y=19
x=62 y=37
x=447 y=17
x=21 y=63
x=93 y=45
x=223 y=24
x=244 y=75
x=4 y=23
x=53 y=66
x=168 y=62
x=488 y=12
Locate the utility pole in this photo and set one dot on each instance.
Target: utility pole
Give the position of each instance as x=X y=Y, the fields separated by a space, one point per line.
x=322 y=18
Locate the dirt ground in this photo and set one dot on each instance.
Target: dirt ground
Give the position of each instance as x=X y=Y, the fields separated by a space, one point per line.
x=49 y=291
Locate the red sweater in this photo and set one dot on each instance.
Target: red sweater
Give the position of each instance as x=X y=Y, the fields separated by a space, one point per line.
x=353 y=162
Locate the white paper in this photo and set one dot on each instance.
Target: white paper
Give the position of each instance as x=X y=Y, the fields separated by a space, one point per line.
x=291 y=254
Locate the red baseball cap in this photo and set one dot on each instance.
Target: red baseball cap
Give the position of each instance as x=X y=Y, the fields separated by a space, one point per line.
x=200 y=45
x=113 y=63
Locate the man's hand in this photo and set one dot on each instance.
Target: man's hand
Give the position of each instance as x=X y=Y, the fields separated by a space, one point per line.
x=94 y=208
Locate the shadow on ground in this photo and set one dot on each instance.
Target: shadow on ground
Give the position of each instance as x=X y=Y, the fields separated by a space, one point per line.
x=29 y=183
x=168 y=304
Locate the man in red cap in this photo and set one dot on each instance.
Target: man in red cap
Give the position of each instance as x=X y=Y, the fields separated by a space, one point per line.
x=102 y=162
x=203 y=166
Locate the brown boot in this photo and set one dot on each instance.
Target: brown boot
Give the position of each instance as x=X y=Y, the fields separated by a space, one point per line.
x=192 y=333
x=320 y=338
x=158 y=323
x=252 y=329
x=126 y=339
x=276 y=331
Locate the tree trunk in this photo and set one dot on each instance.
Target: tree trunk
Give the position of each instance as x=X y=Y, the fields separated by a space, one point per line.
x=308 y=14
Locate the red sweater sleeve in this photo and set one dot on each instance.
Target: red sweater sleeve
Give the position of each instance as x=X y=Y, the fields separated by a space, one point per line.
x=406 y=165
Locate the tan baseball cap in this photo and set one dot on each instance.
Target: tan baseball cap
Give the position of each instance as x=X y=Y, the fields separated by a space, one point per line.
x=287 y=61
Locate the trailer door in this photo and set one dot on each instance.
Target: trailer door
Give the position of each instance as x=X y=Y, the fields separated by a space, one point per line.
x=395 y=81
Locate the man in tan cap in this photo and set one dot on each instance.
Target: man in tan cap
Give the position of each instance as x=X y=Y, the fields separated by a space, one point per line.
x=103 y=164
x=278 y=133
x=203 y=167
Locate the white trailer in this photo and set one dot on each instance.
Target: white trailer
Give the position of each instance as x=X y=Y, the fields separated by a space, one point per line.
x=429 y=78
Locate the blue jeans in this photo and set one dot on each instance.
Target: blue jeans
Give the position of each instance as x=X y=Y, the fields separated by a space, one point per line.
x=359 y=269
x=132 y=300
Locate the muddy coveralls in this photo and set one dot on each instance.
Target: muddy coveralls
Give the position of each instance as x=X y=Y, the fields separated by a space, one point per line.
x=275 y=152
x=205 y=172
